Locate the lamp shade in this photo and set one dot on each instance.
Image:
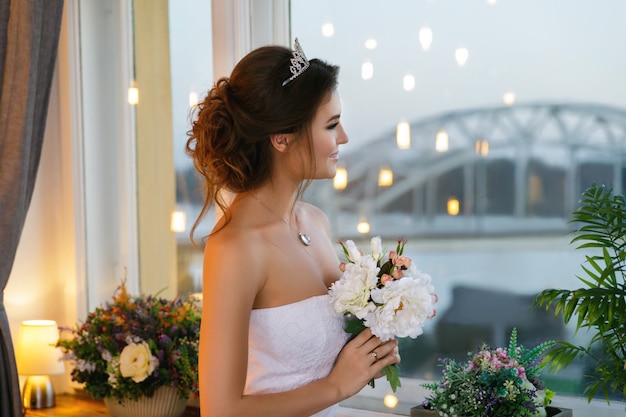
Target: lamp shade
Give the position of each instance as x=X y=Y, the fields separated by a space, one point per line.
x=37 y=353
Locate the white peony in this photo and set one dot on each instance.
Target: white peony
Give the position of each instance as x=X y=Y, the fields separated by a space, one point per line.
x=403 y=306
x=137 y=362
x=351 y=293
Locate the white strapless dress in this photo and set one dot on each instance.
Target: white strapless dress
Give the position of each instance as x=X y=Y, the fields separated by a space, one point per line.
x=292 y=345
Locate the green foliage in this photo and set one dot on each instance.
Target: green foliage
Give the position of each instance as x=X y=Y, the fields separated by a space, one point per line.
x=599 y=306
x=164 y=332
x=494 y=382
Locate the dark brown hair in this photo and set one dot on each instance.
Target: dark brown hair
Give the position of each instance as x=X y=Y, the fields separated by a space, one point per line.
x=229 y=139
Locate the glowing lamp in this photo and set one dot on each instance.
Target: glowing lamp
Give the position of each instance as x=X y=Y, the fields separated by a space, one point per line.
x=37 y=358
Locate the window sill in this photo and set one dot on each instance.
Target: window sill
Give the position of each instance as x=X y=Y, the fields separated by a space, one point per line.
x=369 y=402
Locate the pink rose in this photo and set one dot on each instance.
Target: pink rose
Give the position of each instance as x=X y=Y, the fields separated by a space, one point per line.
x=402 y=262
x=386 y=278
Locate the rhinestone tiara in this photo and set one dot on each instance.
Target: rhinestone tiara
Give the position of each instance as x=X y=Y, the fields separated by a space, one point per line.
x=299 y=63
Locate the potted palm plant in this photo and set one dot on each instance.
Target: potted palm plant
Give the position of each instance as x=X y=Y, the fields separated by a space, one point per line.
x=599 y=305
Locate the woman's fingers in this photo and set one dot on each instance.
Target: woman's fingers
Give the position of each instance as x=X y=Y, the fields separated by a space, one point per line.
x=386 y=354
x=363 y=359
x=387 y=351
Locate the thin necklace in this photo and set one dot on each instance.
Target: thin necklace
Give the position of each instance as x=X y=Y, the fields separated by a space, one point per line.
x=303 y=237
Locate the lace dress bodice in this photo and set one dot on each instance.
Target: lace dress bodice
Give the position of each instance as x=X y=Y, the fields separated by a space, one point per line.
x=292 y=345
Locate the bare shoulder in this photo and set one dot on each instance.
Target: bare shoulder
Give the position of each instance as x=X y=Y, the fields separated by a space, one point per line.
x=315 y=212
x=234 y=256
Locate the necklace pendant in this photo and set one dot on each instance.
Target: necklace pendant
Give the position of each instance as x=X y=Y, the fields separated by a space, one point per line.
x=306 y=240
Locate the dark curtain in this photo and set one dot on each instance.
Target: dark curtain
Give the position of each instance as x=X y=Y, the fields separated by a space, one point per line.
x=29 y=35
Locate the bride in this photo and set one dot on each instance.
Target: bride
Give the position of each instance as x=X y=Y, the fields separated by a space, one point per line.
x=271 y=344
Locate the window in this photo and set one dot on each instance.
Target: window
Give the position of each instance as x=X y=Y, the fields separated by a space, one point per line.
x=510 y=114
x=512 y=110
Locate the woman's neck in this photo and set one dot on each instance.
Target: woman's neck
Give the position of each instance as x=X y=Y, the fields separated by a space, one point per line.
x=280 y=199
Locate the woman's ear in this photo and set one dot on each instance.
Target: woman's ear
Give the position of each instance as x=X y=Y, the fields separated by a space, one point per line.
x=281 y=141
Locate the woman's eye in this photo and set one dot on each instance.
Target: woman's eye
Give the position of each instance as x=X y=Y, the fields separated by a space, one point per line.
x=334 y=125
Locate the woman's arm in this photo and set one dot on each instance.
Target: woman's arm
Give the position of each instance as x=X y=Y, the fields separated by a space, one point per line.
x=233 y=275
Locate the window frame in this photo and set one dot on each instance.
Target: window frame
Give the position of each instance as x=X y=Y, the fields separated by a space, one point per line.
x=104 y=255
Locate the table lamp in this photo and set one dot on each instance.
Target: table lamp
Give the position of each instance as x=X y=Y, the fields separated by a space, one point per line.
x=37 y=358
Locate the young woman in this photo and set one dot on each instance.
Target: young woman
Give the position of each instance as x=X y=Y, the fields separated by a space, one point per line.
x=271 y=344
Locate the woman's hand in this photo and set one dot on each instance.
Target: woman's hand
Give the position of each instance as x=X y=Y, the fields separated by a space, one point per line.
x=360 y=361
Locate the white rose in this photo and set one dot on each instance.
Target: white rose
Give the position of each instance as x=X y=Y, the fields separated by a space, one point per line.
x=377 y=248
x=136 y=362
x=351 y=293
x=354 y=254
x=404 y=307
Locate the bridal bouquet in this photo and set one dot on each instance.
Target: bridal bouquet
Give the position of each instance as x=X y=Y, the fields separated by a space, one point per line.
x=384 y=292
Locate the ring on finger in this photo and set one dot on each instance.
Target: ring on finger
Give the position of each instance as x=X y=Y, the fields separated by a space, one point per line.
x=374 y=355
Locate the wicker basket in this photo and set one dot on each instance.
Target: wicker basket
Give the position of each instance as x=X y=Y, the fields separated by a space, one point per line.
x=164 y=403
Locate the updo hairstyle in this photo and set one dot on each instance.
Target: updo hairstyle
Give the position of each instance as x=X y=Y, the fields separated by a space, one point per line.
x=229 y=141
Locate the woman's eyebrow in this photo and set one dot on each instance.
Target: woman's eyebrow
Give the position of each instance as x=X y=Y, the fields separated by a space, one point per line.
x=335 y=117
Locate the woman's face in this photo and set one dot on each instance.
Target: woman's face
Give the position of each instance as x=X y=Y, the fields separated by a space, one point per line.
x=327 y=134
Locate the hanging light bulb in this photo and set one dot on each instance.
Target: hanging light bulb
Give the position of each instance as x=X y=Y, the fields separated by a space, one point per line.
x=441 y=141
x=403 y=135
x=426 y=38
x=385 y=177
x=508 y=98
x=390 y=401
x=179 y=221
x=461 y=55
x=367 y=70
x=371 y=43
x=340 y=182
x=133 y=95
x=363 y=227
x=193 y=99
x=328 y=29
x=453 y=206
x=408 y=82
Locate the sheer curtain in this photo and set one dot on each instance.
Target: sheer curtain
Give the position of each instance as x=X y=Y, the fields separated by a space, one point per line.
x=29 y=34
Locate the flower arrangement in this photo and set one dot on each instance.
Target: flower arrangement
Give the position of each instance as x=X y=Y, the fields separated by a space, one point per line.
x=494 y=382
x=385 y=293
x=131 y=347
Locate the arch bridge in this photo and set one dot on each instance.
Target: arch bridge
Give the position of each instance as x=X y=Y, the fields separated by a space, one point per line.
x=484 y=171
